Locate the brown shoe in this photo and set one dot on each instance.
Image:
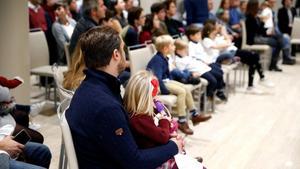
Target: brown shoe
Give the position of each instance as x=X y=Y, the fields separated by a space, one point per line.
x=184 y=127
x=200 y=118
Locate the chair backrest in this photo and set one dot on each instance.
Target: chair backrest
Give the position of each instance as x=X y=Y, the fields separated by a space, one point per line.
x=66 y=133
x=139 y=59
x=38 y=49
x=244 y=35
x=58 y=78
x=67 y=52
x=296 y=25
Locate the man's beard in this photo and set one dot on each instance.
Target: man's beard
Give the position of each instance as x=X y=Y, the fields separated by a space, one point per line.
x=122 y=64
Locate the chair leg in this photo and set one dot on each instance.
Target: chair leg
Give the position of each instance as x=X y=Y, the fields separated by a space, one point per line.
x=62 y=155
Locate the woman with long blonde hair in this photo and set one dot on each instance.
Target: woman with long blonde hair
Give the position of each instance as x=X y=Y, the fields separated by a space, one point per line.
x=74 y=76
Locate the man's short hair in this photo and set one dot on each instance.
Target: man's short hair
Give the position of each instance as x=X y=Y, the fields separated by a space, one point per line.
x=192 y=30
x=134 y=14
x=163 y=41
x=88 y=6
x=98 y=45
x=156 y=7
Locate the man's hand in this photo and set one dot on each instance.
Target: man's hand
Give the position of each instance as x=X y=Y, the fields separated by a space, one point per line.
x=12 y=147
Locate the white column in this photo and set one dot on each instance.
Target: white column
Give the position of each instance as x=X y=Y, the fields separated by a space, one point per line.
x=14 y=55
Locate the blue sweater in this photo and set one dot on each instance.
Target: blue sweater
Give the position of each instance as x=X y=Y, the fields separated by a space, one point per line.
x=160 y=67
x=196 y=11
x=100 y=128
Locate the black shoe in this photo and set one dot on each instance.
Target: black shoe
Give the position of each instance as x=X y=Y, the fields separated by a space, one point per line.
x=288 y=62
x=193 y=81
x=221 y=95
x=276 y=69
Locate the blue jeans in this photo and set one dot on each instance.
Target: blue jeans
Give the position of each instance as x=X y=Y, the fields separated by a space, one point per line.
x=37 y=155
x=181 y=76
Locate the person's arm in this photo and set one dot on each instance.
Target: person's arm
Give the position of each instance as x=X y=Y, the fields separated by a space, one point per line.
x=145 y=127
x=156 y=68
x=115 y=137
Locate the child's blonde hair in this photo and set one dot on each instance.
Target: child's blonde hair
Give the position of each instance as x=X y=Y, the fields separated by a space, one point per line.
x=163 y=41
x=138 y=94
x=180 y=44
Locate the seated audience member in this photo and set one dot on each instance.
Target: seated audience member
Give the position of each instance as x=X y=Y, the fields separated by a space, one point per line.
x=243 y=8
x=128 y=5
x=20 y=113
x=75 y=75
x=286 y=15
x=235 y=15
x=160 y=67
x=151 y=29
x=105 y=126
x=224 y=5
x=93 y=12
x=196 y=11
x=136 y=18
x=159 y=9
x=196 y=50
x=217 y=46
x=257 y=35
x=117 y=6
x=72 y=6
x=38 y=156
x=34 y=153
x=109 y=20
x=150 y=120
x=62 y=30
x=37 y=17
x=272 y=30
x=175 y=27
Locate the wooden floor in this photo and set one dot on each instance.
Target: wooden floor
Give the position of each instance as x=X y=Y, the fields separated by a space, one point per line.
x=249 y=131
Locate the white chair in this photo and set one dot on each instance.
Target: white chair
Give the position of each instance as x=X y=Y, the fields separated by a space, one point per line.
x=38 y=49
x=68 y=154
x=265 y=50
x=139 y=59
x=67 y=53
x=58 y=78
x=295 y=37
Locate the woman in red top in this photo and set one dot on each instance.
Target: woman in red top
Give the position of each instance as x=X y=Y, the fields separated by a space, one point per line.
x=150 y=29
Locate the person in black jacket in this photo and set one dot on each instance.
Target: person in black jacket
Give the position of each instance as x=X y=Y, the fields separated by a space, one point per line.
x=256 y=33
x=93 y=12
x=98 y=121
x=285 y=17
x=175 y=27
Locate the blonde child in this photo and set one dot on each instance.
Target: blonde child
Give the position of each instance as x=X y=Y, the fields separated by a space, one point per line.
x=151 y=123
x=160 y=67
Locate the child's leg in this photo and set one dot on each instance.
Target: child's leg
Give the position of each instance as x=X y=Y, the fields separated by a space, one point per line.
x=212 y=83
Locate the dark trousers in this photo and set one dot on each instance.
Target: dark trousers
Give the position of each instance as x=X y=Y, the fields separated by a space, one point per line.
x=214 y=78
x=252 y=60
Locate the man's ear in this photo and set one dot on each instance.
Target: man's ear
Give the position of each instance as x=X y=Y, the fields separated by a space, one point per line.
x=116 y=55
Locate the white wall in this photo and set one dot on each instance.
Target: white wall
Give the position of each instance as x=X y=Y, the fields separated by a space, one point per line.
x=14 y=55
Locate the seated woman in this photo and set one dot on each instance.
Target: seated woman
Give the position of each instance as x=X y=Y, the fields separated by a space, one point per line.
x=130 y=33
x=118 y=6
x=62 y=30
x=151 y=29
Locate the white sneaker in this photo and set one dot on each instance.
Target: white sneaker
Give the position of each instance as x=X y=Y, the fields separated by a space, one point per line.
x=34 y=126
x=253 y=90
x=266 y=83
x=36 y=108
